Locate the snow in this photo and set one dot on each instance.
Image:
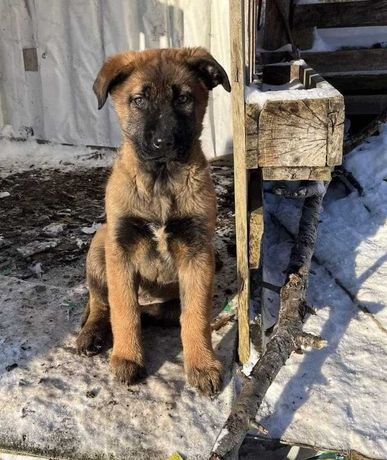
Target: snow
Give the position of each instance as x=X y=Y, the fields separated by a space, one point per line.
x=24 y=155
x=349 y=37
x=254 y=95
x=336 y=397
x=56 y=402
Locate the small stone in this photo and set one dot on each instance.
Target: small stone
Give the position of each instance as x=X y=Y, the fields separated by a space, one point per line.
x=4 y=194
x=90 y=230
x=37 y=246
x=11 y=367
x=53 y=229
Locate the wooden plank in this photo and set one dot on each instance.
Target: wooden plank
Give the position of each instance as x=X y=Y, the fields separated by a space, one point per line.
x=354 y=60
x=349 y=14
x=274 y=35
x=365 y=105
x=252 y=28
x=363 y=83
x=252 y=142
x=303 y=38
x=251 y=159
x=297 y=174
x=293 y=133
x=238 y=78
x=347 y=60
x=255 y=218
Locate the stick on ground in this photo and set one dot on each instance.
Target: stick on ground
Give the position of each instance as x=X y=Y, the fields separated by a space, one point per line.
x=287 y=337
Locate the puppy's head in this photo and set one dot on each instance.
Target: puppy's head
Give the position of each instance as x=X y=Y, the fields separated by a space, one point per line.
x=160 y=97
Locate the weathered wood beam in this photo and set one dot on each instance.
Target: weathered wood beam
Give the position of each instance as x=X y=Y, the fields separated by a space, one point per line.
x=365 y=104
x=359 y=83
x=301 y=132
x=274 y=31
x=255 y=217
x=352 y=60
x=287 y=336
x=348 y=14
x=238 y=79
x=322 y=173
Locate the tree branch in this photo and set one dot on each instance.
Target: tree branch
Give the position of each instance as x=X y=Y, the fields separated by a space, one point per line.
x=366 y=132
x=287 y=336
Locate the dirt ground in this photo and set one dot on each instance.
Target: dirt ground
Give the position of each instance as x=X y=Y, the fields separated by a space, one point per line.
x=48 y=218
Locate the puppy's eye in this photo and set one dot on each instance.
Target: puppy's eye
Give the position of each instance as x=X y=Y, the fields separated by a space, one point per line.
x=139 y=101
x=183 y=99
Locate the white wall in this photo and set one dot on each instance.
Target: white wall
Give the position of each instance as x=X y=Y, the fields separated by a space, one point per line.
x=73 y=37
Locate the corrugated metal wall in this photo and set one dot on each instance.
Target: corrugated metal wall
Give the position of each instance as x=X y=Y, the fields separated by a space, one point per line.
x=72 y=39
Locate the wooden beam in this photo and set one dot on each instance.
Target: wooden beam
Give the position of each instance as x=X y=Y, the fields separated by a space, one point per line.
x=274 y=35
x=348 y=14
x=355 y=83
x=365 y=59
x=297 y=173
x=301 y=132
x=353 y=60
x=238 y=78
x=365 y=105
x=255 y=218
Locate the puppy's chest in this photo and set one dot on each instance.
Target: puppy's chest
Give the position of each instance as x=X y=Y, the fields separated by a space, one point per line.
x=159 y=235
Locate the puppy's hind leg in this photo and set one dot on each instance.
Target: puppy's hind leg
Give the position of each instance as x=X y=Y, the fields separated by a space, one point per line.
x=96 y=328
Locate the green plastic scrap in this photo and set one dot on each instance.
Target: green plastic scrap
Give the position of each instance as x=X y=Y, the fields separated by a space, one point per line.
x=228 y=306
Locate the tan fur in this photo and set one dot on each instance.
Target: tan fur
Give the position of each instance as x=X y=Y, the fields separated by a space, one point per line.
x=132 y=278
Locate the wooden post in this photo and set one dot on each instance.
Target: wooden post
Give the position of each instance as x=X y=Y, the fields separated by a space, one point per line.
x=252 y=33
x=238 y=77
x=275 y=33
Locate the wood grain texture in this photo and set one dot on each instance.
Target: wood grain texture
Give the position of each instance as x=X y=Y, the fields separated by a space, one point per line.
x=251 y=159
x=338 y=14
x=335 y=130
x=256 y=223
x=294 y=133
x=238 y=78
x=322 y=173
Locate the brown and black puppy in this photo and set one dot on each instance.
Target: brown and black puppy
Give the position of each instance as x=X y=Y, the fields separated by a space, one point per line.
x=157 y=244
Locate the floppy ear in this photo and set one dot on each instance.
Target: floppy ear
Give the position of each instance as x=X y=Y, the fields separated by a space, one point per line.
x=115 y=70
x=209 y=71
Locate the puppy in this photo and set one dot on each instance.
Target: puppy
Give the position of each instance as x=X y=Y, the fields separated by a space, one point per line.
x=157 y=244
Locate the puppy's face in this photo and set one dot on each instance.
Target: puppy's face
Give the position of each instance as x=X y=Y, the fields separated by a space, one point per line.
x=160 y=97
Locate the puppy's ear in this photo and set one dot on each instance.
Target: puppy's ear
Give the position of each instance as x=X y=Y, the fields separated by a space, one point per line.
x=209 y=71
x=115 y=70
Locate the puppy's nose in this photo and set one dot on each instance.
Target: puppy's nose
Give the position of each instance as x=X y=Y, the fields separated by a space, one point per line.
x=161 y=142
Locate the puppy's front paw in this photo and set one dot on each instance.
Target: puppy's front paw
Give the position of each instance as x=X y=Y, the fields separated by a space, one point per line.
x=127 y=371
x=91 y=339
x=207 y=379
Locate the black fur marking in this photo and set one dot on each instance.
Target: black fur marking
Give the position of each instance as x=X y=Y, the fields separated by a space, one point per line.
x=130 y=230
x=192 y=231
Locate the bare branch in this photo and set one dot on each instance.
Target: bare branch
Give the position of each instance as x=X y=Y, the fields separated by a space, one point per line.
x=287 y=336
